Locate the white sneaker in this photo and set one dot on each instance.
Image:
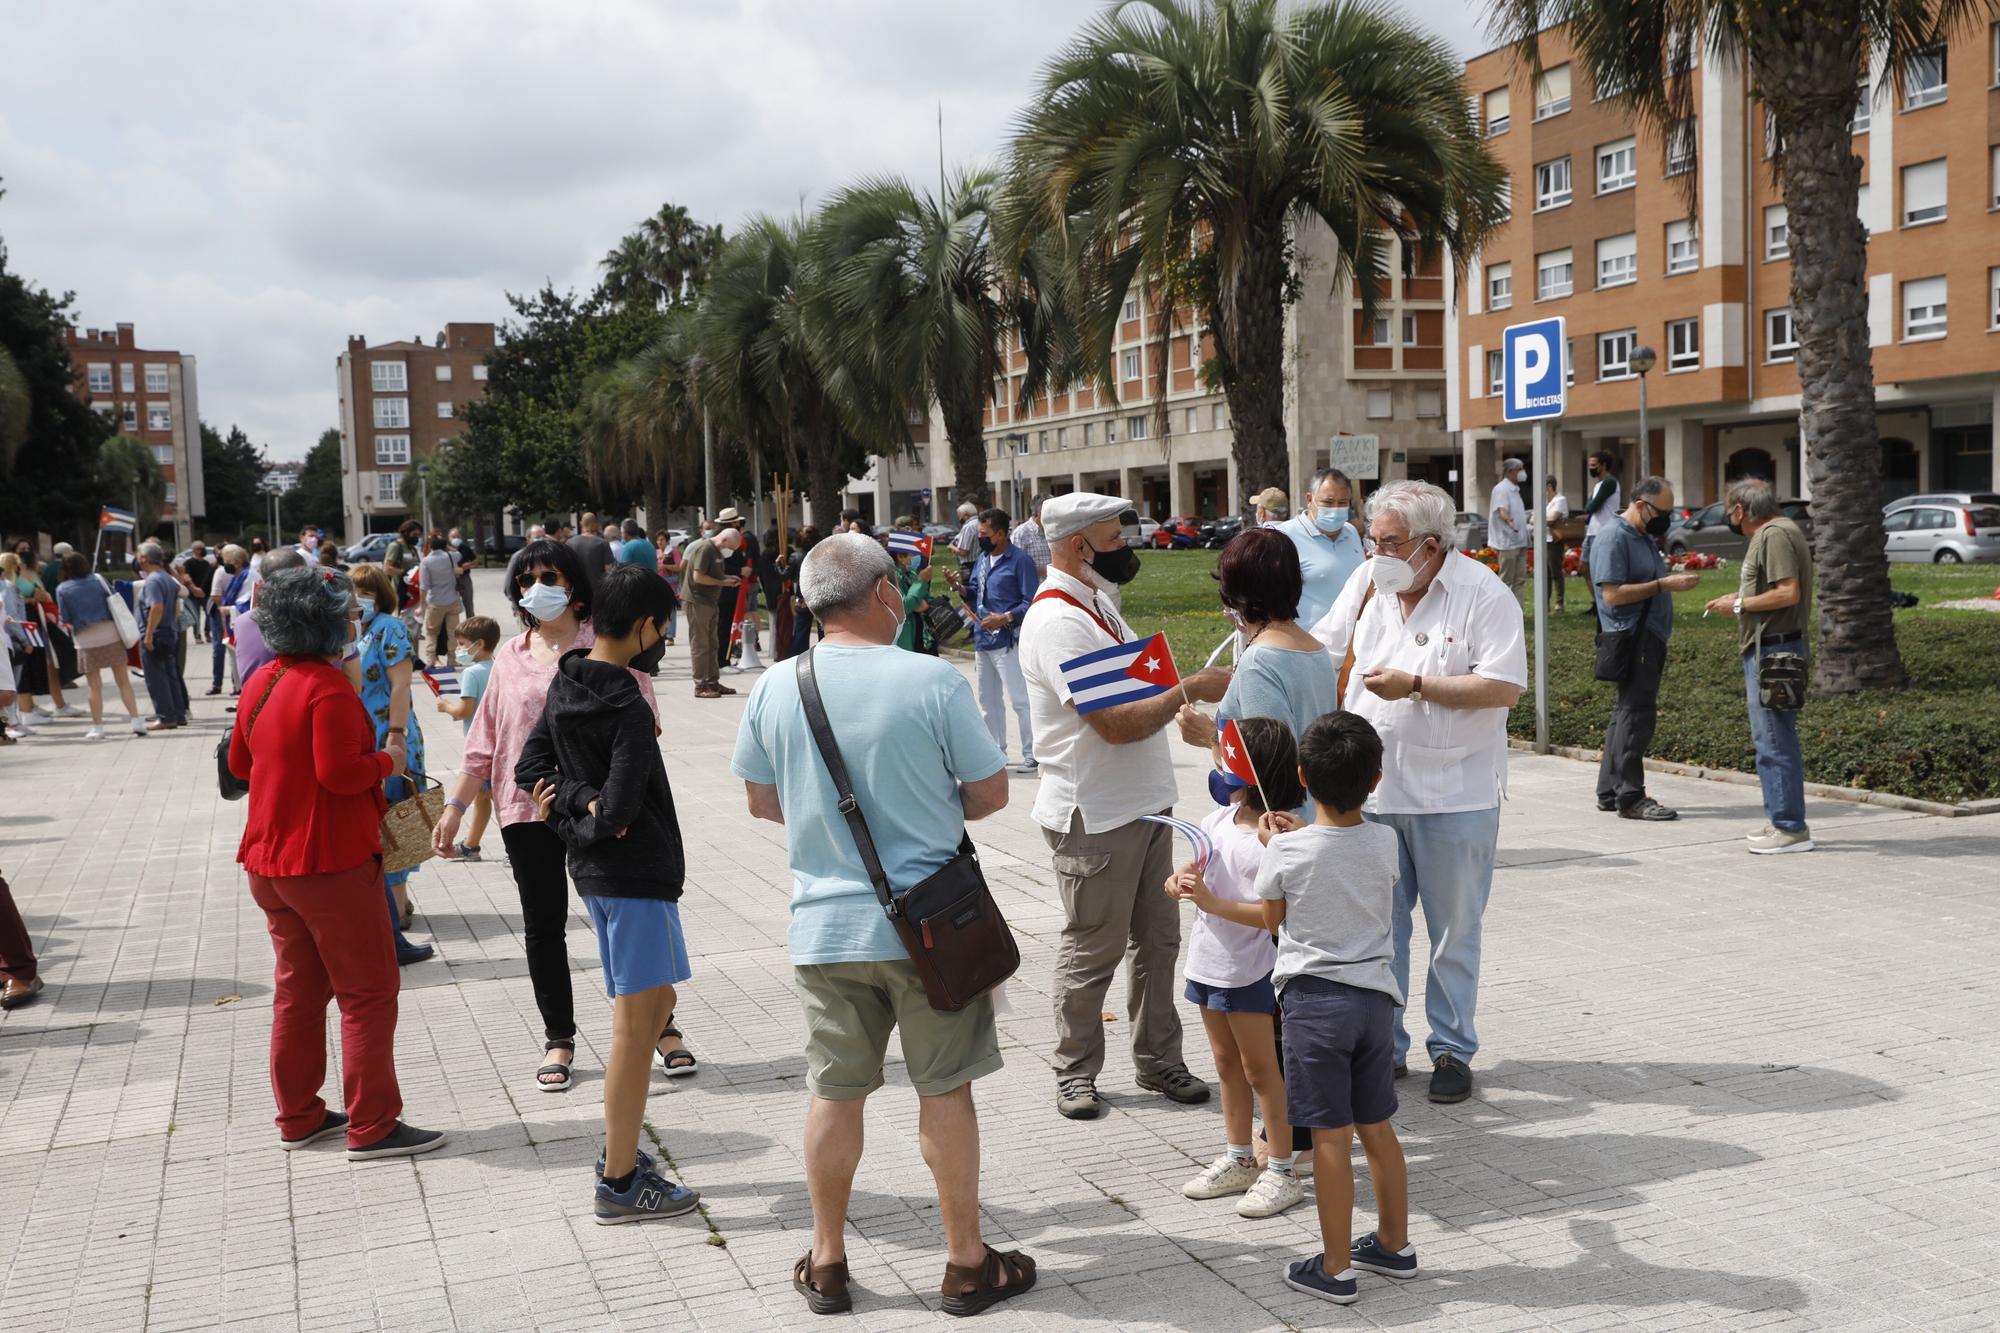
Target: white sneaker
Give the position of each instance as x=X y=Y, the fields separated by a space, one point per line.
x=1224 y=1176
x=1271 y=1194
x=41 y=711
x=94 y=734
x=1777 y=841
x=138 y=726
x=68 y=710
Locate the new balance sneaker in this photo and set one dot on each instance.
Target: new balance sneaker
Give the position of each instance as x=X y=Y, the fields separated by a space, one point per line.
x=1176 y=1084
x=650 y=1195
x=1369 y=1254
x=1778 y=841
x=335 y=1123
x=1224 y=1176
x=402 y=1141
x=1273 y=1192
x=1310 y=1276
x=643 y=1158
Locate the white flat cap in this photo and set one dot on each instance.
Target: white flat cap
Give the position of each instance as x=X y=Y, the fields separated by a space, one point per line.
x=1067 y=515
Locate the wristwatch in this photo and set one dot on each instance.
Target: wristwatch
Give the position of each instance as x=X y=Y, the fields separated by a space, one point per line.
x=1417 y=690
x=1737 y=607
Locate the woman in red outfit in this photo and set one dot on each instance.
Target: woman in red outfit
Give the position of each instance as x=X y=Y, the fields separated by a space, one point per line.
x=313 y=852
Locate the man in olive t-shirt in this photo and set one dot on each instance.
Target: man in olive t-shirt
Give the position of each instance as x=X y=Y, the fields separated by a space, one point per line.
x=704 y=580
x=1774 y=604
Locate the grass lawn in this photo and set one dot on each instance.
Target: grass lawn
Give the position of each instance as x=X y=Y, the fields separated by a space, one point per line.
x=1938 y=740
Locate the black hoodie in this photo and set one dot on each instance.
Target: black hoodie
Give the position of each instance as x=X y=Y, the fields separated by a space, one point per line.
x=595 y=741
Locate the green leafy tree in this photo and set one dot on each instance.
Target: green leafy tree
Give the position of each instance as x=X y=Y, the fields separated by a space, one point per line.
x=127 y=472
x=467 y=486
x=663 y=262
x=316 y=498
x=13 y=411
x=642 y=419
x=1232 y=123
x=232 y=478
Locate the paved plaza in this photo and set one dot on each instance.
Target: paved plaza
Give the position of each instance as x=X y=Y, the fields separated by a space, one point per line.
x=1714 y=1090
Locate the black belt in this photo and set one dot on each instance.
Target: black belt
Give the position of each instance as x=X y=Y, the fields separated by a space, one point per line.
x=1784 y=638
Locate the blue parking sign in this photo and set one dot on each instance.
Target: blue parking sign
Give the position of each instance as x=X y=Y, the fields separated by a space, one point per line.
x=1533 y=382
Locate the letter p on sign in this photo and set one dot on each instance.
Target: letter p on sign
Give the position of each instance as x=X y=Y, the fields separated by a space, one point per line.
x=1534 y=385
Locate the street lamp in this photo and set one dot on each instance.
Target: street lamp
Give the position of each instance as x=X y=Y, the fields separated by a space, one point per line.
x=1643 y=359
x=1013 y=472
x=423 y=471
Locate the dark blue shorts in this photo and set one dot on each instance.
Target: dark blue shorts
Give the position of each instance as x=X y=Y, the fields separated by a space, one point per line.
x=1255 y=998
x=1340 y=1062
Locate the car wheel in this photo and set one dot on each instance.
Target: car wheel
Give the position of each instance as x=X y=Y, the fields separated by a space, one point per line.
x=1947 y=557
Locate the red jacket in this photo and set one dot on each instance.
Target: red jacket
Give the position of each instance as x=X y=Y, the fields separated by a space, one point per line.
x=315 y=775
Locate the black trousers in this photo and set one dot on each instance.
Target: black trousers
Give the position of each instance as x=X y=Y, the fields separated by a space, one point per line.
x=1621 y=776
x=542 y=880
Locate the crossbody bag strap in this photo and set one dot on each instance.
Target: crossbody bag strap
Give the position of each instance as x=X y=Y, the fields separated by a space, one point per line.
x=250 y=723
x=836 y=768
x=1347 y=663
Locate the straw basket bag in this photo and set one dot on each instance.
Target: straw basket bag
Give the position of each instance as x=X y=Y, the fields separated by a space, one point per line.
x=406 y=829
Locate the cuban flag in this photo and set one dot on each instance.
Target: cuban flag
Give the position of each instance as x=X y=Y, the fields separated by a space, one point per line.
x=1235 y=754
x=33 y=633
x=1203 y=848
x=443 y=681
x=904 y=542
x=1121 y=674
x=116 y=520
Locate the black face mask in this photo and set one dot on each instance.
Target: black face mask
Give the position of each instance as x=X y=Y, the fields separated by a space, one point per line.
x=1596 y=472
x=1118 y=565
x=1657 y=526
x=1736 y=526
x=648 y=659
x=986 y=545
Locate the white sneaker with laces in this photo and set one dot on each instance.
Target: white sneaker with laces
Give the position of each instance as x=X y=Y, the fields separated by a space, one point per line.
x=1271 y=1194
x=94 y=734
x=1224 y=1176
x=138 y=726
x=68 y=710
x=1777 y=842
x=43 y=711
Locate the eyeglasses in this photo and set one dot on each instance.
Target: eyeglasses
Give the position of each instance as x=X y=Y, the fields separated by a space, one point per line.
x=1398 y=543
x=548 y=576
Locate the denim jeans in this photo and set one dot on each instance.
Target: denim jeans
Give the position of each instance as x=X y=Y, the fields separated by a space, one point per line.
x=1781 y=768
x=217 y=649
x=164 y=682
x=1447 y=866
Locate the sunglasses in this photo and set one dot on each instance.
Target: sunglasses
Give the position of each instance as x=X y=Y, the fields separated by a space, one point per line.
x=547 y=576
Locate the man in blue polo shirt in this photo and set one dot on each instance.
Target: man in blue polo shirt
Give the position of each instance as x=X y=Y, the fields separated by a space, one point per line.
x=1329 y=547
x=1002 y=584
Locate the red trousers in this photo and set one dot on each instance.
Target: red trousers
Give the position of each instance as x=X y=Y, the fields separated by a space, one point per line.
x=333 y=943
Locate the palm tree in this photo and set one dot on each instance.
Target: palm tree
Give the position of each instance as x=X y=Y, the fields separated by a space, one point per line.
x=629 y=272
x=1232 y=123
x=1804 y=60
x=662 y=263
x=642 y=418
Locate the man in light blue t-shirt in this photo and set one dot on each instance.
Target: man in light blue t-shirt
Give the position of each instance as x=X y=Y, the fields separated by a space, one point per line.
x=1328 y=545
x=922 y=764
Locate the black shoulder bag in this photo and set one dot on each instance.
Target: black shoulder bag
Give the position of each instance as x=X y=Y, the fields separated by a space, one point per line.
x=232 y=787
x=949 y=923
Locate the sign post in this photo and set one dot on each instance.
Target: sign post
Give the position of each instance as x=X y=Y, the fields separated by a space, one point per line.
x=1535 y=387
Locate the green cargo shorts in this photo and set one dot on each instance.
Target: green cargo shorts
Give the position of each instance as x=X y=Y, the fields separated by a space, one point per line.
x=851 y=1009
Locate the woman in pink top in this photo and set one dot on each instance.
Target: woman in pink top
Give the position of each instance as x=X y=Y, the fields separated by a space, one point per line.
x=547 y=587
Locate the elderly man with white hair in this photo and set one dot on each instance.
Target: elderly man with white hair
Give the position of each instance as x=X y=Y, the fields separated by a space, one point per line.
x=1429 y=648
x=704 y=585
x=966 y=543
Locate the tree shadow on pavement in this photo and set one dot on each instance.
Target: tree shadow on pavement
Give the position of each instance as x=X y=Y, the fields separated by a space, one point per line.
x=1575 y=1087
x=1940 y=848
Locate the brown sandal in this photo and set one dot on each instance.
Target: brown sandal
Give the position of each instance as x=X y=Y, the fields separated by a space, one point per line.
x=823 y=1285
x=998 y=1277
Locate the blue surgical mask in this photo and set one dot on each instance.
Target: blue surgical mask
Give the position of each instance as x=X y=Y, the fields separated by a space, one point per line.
x=545 y=601
x=1331 y=520
x=463 y=657
x=367 y=605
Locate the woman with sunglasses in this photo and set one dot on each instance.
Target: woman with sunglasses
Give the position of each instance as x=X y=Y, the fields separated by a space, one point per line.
x=551 y=595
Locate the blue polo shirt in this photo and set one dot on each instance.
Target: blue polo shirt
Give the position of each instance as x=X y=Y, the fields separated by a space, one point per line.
x=1003 y=582
x=1623 y=554
x=1325 y=564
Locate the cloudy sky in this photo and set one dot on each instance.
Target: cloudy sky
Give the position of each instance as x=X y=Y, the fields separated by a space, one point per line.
x=252 y=182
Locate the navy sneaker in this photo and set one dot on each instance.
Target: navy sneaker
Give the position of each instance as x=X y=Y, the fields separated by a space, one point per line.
x=642 y=1157
x=1369 y=1253
x=402 y=1141
x=651 y=1195
x=1309 y=1276
x=335 y=1123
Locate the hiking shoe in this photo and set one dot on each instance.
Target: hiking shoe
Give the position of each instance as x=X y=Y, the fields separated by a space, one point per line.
x=1778 y=841
x=1176 y=1085
x=643 y=1160
x=402 y=1141
x=1607 y=803
x=335 y=1123
x=1224 y=1176
x=1648 y=809
x=651 y=1195
x=1369 y=1254
x=1077 y=1099
x=466 y=852
x=1272 y=1193
x=1310 y=1276
x=1451 y=1081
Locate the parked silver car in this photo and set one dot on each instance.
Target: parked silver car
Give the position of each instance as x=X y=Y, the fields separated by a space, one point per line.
x=1943 y=498
x=1944 y=534
x=1707 y=530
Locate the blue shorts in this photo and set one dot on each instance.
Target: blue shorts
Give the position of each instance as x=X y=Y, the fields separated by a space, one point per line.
x=1340 y=1062
x=1255 y=998
x=639 y=942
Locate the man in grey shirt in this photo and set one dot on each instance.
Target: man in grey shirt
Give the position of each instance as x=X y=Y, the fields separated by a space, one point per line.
x=437 y=580
x=592 y=550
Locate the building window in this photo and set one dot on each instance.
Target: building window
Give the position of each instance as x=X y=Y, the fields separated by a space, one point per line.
x=159 y=416
x=163 y=454
x=1136 y=428
x=1131 y=307
x=1496 y=375
x=1683 y=256
x=1381 y=405
x=1618 y=260
x=445 y=410
x=1923 y=192
x=1499 y=286
x=1506 y=198
x=1191 y=428
x=173 y=494
x=392 y=450
x=1923 y=78
x=1680 y=146
x=1684 y=344
x=156 y=379
x=1995 y=177
x=1779 y=342
x=1551 y=184
x=1864 y=110
x=443 y=374
x=1555 y=275
x=1614 y=354
x=1552 y=93
x=1131 y=364
x=1222 y=416
x=1569 y=361
x=1378 y=333
x=1497 y=118
x=1617 y=166
x=130 y=416
x=1861 y=207
x=389 y=486
x=1777 y=235
x=1923 y=308
x=1430 y=403
x=99 y=377
x=127 y=382
x=392 y=412
x=388 y=377
x=1089 y=429
x=1770 y=133
x=1993 y=298
x=1409 y=330
x=1041 y=442
x=1062 y=437
x=1111 y=432
x=479 y=372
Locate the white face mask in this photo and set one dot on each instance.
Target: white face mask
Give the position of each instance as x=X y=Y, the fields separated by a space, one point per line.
x=896 y=611
x=1391 y=574
x=545 y=601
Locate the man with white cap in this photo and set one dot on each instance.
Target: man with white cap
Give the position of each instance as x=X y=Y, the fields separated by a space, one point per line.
x=1507 y=530
x=1101 y=771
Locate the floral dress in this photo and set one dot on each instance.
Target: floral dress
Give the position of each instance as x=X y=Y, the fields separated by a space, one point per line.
x=385 y=642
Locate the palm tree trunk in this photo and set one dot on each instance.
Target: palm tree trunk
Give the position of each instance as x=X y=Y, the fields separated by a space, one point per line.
x=961 y=409
x=1253 y=327
x=1806 y=61
x=823 y=482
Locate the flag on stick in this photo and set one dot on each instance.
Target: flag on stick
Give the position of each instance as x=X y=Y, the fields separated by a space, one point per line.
x=1236 y=755
x=443 y=681
x=116 y=520
x=904 y=542
x=1203 y=848
x=1121 y=674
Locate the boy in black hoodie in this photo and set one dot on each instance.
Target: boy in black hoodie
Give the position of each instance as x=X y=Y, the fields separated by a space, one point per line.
x=594 y=765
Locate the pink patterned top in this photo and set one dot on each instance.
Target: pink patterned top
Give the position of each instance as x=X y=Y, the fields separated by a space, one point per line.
x=515 y=694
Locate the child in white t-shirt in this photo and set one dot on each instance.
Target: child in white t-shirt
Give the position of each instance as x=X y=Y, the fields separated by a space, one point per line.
x=1230 y=956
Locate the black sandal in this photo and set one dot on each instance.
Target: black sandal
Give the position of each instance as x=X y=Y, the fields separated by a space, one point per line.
x=1001 y=1276
x=554 y=1067
x=675 y=1064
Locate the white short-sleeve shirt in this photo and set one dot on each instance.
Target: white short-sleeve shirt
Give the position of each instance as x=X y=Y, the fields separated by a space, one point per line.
x=1081 y=771
x=1435 y=760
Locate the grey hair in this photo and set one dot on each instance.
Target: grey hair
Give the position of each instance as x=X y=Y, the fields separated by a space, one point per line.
x=1650 y=487
x=284 y=557
x=1327 y=474
x=232 y=554
x=304 y=612
x=152 y=554
x=1426 y=509
x=841 y=571
x=1759 y=501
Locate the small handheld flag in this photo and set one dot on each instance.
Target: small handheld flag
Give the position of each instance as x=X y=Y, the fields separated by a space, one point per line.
x=1121 y=674
x=116 y=520
x=1236 y=755
x=34 y=635
x=443 y=681
x=1203 y=848
x=904 y=542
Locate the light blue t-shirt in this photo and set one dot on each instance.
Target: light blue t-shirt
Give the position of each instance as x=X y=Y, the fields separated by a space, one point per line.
x=472 y=684
x=1293 y=685
x=1325 y=565
x=909 y=733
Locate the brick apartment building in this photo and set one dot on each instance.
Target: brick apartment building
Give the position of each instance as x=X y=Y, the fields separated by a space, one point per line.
x=151 y=394
x=1342 y=377
x=398 y=402
x=1602 y=234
